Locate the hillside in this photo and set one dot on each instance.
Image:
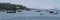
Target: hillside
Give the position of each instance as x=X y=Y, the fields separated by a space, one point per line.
x=11 y=6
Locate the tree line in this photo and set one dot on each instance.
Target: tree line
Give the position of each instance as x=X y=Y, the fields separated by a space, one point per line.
x=9 y=6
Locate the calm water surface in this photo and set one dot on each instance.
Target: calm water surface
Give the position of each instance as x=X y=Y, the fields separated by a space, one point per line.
x=29 y=15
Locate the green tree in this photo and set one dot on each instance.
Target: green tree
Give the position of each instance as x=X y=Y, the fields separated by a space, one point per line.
x=9 y=6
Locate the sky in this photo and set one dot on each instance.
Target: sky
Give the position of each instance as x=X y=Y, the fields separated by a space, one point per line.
x=41 y=4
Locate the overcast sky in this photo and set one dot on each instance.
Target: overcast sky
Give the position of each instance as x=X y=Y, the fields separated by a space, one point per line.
x=42 y=4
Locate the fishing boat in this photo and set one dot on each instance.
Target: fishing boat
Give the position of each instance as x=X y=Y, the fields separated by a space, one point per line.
x=11 y=11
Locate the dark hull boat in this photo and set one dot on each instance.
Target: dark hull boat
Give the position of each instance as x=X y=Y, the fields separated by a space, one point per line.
x=11 y=11
x=19 y=11
x=38 y=11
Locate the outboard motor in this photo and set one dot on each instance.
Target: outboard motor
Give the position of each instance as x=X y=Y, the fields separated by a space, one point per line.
x=55 y=12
